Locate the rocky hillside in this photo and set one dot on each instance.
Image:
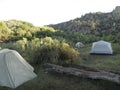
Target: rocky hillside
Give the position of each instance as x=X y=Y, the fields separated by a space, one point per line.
x=96 y=23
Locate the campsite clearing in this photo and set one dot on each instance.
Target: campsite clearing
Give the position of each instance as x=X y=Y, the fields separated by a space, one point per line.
x=106 y=62
x=54 y=81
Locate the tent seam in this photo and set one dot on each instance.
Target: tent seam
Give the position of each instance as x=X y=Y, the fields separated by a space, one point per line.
x=11 y=81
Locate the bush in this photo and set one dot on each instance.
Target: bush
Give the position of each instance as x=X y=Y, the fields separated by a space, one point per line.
x=4 y=32
x=45 y=54
x=44 y=50
x=67 y=54
x=55 y=52
x=116 y=48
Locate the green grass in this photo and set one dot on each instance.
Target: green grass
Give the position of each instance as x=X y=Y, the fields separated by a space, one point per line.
x=106 y=62
x=54 y=81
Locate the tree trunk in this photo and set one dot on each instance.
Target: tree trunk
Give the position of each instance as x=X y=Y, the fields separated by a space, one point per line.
x=86 y=73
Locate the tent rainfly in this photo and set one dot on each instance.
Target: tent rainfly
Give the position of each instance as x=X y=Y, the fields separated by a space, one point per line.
x=101 y=47
x=14 y=70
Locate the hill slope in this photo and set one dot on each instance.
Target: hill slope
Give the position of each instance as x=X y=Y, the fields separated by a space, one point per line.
x=96 y=23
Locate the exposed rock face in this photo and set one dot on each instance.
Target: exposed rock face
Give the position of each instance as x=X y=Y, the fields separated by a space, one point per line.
x=117 y=9
x=116 y=13
x=86 y=73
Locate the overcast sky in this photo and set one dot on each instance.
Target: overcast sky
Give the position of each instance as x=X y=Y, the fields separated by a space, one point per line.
x=44 y=12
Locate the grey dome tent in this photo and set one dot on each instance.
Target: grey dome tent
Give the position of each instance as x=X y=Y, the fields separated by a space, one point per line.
x=101 y=47
x=14 y=70
x=79 y=45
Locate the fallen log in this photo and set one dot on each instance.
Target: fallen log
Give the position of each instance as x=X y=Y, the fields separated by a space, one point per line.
x=99 y=74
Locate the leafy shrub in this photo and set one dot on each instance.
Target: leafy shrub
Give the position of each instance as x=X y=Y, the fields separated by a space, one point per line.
x=116 y=48
x=46 y=49
x=20 y=45
x=4 y=32
x=55 y=52
x=45 y=54
x=67 y=54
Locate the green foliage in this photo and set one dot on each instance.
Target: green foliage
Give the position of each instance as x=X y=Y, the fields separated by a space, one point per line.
x=93 y=23
x=54 y=81
x=117 y=38
x=54 y=51
x=105 y=62
x=14 y=30
x=45 y=44
x=24 y=37
x=4 y=32
x=116 y=48
x=21 y=29
x=67 y=54
x=110 y=38
x=44 y=50
x=21 y=45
